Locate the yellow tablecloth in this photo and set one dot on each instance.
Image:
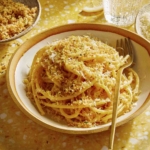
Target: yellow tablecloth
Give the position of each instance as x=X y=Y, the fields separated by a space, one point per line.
x=18 y=132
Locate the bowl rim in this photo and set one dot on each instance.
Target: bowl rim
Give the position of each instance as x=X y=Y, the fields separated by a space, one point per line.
x=27 y=29
x=10 y=75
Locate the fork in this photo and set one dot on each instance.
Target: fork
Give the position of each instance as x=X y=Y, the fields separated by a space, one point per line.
x=124 y=47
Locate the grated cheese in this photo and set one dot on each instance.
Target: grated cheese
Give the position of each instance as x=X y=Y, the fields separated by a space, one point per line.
x=145 y=25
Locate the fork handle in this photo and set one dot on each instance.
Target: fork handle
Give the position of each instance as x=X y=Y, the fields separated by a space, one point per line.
x=115 y=106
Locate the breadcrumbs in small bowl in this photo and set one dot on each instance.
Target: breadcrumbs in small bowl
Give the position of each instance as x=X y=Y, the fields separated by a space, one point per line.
x=16 y=19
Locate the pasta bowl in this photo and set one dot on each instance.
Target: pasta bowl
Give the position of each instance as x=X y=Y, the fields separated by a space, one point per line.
x=22 y=59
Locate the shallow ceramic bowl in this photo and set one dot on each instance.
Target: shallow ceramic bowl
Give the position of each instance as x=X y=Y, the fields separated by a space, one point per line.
x=30 y=4
x=19 y=67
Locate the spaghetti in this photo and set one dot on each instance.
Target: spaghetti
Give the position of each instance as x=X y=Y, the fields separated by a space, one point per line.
x=75 y=78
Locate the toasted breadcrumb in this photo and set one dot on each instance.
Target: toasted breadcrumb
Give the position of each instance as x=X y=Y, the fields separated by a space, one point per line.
x=15 y=17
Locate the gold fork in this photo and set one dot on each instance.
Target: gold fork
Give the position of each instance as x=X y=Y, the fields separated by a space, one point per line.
x=124 y=47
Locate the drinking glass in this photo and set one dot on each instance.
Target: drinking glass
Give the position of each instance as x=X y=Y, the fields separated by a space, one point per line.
x=121 y=12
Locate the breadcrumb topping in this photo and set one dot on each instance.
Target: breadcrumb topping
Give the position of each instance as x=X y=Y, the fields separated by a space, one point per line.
x=15 y=17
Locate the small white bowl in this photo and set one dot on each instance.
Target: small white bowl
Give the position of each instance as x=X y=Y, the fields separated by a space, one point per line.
x=144 y=9
x=19 y=67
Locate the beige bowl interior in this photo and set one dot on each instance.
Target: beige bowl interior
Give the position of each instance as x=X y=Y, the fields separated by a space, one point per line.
x=22 y=59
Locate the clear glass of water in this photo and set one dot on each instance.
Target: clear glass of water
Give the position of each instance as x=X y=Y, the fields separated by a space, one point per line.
x=121 y=12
